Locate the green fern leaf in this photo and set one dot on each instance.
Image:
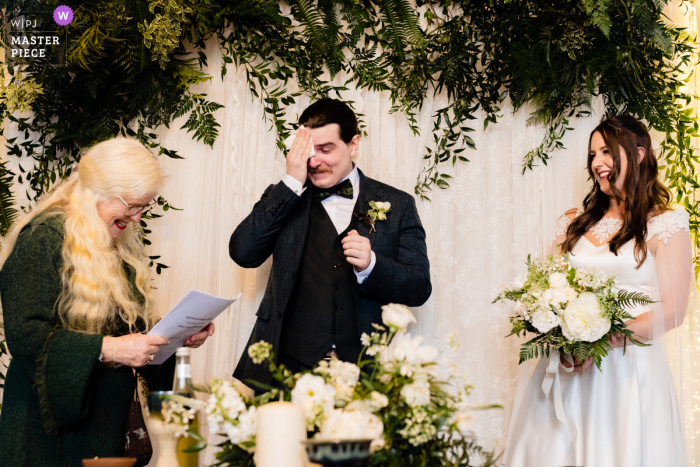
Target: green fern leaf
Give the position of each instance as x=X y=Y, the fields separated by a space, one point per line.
x=628 y=299
x=8 y=211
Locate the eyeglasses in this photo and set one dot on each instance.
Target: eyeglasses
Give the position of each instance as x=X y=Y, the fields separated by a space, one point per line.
x=133 y=210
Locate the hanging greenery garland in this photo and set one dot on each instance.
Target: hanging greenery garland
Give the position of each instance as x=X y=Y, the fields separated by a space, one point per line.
x=128 y=72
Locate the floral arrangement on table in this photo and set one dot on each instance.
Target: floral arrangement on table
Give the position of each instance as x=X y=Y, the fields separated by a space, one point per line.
x=394 y=397
x=570 y=310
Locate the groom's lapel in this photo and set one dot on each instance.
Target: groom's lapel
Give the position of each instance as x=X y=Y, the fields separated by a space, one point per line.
x=299 y=227
x=368 y=192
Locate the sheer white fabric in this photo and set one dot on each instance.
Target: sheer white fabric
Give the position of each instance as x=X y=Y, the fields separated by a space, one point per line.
x=629 y=414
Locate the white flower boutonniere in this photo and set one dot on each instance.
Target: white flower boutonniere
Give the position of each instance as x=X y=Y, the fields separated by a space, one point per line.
x=377 y=212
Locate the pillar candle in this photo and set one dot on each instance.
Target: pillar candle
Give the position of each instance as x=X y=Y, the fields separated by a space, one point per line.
x=281 y=431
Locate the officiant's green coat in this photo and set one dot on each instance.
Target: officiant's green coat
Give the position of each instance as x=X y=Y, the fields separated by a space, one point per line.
x=59 y=404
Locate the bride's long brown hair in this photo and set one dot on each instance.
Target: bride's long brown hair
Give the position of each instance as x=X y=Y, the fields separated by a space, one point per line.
x=644 y=194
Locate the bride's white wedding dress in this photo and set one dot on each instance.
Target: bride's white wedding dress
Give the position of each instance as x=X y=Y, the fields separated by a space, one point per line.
x=627 y=415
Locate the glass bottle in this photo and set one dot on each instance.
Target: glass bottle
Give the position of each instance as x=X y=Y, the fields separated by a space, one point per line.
x=183 y=386
x=183 y=373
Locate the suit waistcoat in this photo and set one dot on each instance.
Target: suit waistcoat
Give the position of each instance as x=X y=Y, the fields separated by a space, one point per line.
x=321 y=310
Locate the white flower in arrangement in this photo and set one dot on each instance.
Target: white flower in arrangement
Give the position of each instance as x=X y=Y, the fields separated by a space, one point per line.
x=545 y=320
x=226 y=399
x=315 y=397
x=385 y=378
x=178 y=415
x=419 y=428
x=397 y=316
x=584 y=320
x=227 y=413
x=365 y=340
x=343 y=375
x=259 y=352
x=553 y=297
x=517 y=284
x=353 y=422
x=591 y=277
x=377 y=401
x=466 y=423
x=558 y=280
x=246 y=427
x=521 y=310
x=406 y=353
x=569 y=292
x=417 y=393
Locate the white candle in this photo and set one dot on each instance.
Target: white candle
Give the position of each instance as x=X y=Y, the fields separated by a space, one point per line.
x=281 y=431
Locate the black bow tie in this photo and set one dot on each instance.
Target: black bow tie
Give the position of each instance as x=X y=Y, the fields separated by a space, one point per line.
x=343 y=189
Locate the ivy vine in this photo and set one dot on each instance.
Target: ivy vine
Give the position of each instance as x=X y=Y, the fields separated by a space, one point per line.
x=131 y=64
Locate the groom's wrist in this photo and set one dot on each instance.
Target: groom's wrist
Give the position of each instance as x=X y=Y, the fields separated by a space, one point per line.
x=295 y=185
x=362 y=275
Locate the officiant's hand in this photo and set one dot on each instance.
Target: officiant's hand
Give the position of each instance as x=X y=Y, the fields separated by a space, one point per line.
x=577 y=368
x=133 y=349
x=358 y=250
x=198 y=339
x=298 y=156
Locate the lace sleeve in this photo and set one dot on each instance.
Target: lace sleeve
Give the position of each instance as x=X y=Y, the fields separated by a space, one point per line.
x=560 y=231
x=668 y=223
x=669 y=242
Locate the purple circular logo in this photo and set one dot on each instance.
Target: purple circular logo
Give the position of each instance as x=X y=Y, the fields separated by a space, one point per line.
x=63 y=15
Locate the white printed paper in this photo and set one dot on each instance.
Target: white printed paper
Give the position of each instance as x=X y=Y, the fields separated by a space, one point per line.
x=188 y=317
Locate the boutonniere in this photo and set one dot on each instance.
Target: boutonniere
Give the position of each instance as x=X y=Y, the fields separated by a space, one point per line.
x=376 y=212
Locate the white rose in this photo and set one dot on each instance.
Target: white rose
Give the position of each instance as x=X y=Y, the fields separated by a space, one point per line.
x=517 y=284
x=398 y=316
x=583 y=319
x=545 y=320
x=416 y=393
x=383 y=205
x=569 y=292
x=558 y=280
x=553 y=297
x=520 y=310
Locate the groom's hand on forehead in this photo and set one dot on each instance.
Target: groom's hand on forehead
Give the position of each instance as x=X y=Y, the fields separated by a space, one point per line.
x=298 y=156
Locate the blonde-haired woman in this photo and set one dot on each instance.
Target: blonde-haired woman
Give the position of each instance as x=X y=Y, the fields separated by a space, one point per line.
x=76 y=299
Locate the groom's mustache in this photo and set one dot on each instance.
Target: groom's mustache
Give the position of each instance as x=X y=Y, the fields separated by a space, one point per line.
x=320 y=170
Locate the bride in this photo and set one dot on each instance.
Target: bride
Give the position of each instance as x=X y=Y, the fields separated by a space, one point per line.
x=626 y=415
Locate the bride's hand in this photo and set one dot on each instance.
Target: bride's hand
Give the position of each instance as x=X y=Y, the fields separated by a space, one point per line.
x=617 y=340
x=577 y=368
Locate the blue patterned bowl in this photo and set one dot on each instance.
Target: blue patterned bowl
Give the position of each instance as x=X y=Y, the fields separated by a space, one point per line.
x=340 y=453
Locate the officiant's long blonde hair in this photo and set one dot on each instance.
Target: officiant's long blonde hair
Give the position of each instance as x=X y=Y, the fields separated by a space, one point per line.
x=96 y=293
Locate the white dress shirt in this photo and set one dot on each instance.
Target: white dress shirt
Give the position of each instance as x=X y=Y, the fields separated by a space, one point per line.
x=339 y=209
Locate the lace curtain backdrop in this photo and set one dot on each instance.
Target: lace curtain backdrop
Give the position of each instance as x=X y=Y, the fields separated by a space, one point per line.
x=479 y=231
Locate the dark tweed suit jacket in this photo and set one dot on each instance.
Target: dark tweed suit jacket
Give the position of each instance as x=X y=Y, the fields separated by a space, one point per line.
x=278 y=225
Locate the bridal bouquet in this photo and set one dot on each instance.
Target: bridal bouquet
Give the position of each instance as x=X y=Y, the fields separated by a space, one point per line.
x=569 y=310
x=394 y=397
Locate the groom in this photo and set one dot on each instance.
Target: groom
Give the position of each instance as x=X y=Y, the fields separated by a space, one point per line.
x=331 y=270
